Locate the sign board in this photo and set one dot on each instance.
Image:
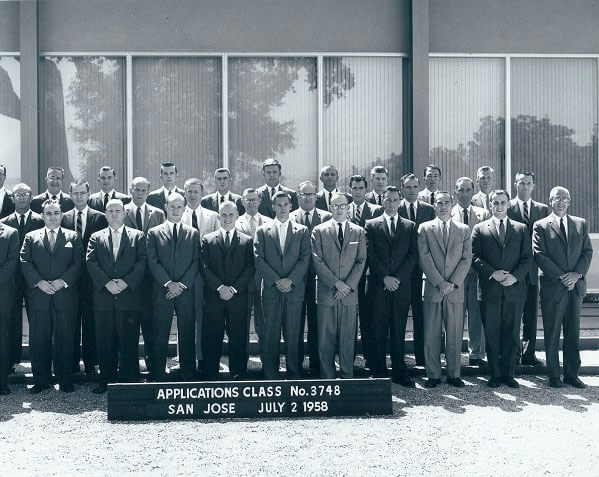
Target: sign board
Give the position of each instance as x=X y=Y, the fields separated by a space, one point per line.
x=243 y=399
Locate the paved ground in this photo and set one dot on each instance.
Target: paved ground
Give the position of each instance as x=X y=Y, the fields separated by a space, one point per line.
x=534 y=430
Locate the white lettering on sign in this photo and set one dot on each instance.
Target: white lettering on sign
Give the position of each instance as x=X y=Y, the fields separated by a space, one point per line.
x=180 y=409
x=220 y=408
x=262 y=391
x=271 y=407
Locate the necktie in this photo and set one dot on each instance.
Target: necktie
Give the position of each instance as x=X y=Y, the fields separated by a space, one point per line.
x=21 y=225
x=466 y=219
x=340 y=233
x=105 y=200
x=392 y=230
x=222 y=199
x=525 y=208
x=175 y=233
x=272 y=191
x=138 y=221
x=52 y=239
x=358 y=215
x=330 y=197
x=380 y=200
x=283 y=236
x=502 y=231
x=194 y=220
x=307 y=221
x=53 y=197
x=445 y=235
x=253 y=226
x=227 y=240
x=432 y=198
x=562 y=228
x=412 y=213
x=79 y=225
x=116 y=242
x=487 y=202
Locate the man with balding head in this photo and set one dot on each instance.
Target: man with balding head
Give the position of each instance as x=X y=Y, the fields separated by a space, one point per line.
x=329 y=176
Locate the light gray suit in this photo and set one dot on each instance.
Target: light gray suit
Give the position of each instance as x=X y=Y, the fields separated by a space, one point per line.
x=337 y=319
x=440 y=264
x=480 y=200
x=476 y=332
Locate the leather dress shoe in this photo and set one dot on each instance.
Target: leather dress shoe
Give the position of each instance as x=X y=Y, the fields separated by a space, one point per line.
x=510 y=382
x=4 y=391
x=556 y=383
x=575 y=382
x=37 y=388
x=455 y=382
x=420 y=362
x=100 y=389
x=477 y=362
x=530 y=361
x=404 y=381
x=494 y=382
x=432 y=383
x=66 y=388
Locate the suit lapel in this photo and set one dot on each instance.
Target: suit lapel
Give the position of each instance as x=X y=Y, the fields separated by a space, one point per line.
x=124 y=239
x=289 y=237
x=274 y=233
x=555 y=225
x=333 y=234
x=221 y=242
x=509 y=232
x=494 y=232
x=438 y=235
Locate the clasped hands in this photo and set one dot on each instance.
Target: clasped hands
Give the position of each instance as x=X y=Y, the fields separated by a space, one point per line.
x=504 y=278
x=174 y=289
x=284 y=285
x=569 y=280
x=343 y=289
x=116 y=286
x=50 y=287
x=391 y=283
x=226 y=292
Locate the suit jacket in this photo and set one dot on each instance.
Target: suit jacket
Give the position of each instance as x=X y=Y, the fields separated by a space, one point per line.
x=9 y=259
x=233 y=266
x=210 y=202
x=489 y=255
x=152 y=217
x=367 y=212
x=243 y=225
x=66 y=261
x=8 y=206
x=479 y=200
x=370 y=198
x=451 y=265
x=391 y=257
x=156 y=197
x=265 y=207
x=207 y=221
x=424 y=211
x=65 y=201
x=333 y=262
x=130 y=265
x=96 y=200
x=555 y=257
x=33 y=222
x=272 y=264
x=321 y=201
x=95 y=221
x=170 y=261
x=425 y=196
x=537 y=211
x=318 y=217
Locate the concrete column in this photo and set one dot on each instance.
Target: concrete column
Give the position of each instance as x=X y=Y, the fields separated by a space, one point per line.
x=420 y=93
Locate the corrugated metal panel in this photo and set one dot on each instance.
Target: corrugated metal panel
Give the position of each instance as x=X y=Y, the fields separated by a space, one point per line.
x=81 y=123
x=10 y=122
x=272 y=114
x=554 y=128
x=467 y=116
x=362 y=118
x=176 y=116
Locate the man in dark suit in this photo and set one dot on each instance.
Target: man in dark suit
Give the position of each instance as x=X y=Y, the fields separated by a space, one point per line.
x=24 y=220
x=501 y=252
x=527 y=211
x=563 y=251
x=360 y=211
x=116 y=262
x=329 y=176
x=9 y=257
x=310 y=216
x=282 y=257
x=168 y=175
x=85 y=221
x=228 y=269
x=410 y=208
x=271 y=170
x=54 y=181
x=142 y=216
x=52 y=259
x=172 y=250
x=7 y=206
x=222 y=179
x=392 y=252
x=432 y=181
x=106 y=179
x=379 y=179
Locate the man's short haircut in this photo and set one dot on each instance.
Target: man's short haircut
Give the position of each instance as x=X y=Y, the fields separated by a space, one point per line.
x=22 y=186
x=193 y=181
x=524 y=174
x=392 y=189
x=443 y=192
x=271 y=162
x=3 y=167
x=222 y=169
x=462 y=179
x=49 y=202
x=329 y=166
x=167 y=164
x=107 y=169
x=496 y=192
x=55 y=168
x=249 y=190
x=175 y=196
x=78 y=183
x=484 y=169
x=557 y=189
x=434 y=167
x=358 y=178
x=140 y=179
x=226 y=203
x=339 y=194
x=115 y=201
x=408 y=177
x=379 y=170
x=280 y=194
x=303 y=183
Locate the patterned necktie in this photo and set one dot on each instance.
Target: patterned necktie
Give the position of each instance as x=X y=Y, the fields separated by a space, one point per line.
x=432 y=198
x=501 y=231
x=138 y=221
x=340 y=233
x=412 y=213
x=392 y=230
x=525 y=208
x=79 y=224
x=52 y=239
x=272 y=192
x=466 y=218
x=175 y=233
x=307 y=221
x=194 y=220
x=105 y=200
x=380 y=200
x=358 y=216
x=253 y=226
x=562 y=229
x=445 y=235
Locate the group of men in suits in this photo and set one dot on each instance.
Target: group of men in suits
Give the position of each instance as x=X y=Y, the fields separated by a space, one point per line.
x=94 y=268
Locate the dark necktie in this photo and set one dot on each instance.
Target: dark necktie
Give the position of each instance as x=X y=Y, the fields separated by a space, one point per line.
x=380 y=200
x=501 y=231
x=432 y=198
x=272 y=192
x=307 y=221
x=525 y=208
x=445 y=235
x=53 y=197
x=562 y=229
x=79 y=224
x=358 y=214
x=21 y=225
x=466 y=218
x=227 y=240
x=175 y=233
x=138 y=221
x=105 y=200
x=392 y=231
x=340 y=234
x=412 y=213
x=222 y=199
x=52 y=239
x=330 y=198
x=194 y=220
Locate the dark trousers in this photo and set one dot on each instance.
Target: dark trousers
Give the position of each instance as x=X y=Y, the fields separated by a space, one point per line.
x=364 y=315
x=5 y=345
x=183 y=306
x=417 y=315
x=16 y=326
x=84 y=345
x=218 y=316
x=117 y=334
x=529 y=322
x=146 y=320
x=255 y=304
x=561 y=310
x=51 y=342
x=389 y=318
x=309 y=313
x=501 y=321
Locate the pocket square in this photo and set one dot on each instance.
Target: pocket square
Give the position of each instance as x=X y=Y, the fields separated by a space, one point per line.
x=354 y=243
x=68 y=245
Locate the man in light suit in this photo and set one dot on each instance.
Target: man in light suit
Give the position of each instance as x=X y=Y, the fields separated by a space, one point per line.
x=228 y=269
x=329 y=176
x=527 y=211
x=54 y=181
x=310 y=216
x=271 y=170
x=432 y=180
x=52 y=259
x=9 y=258
x=502 y=255
x=142 y=216
x=168 y=175
x=379 y=179
x=222 y=179
x=339 y=256
x=7 y=205
x=116 y=262
x=85 y=221
x=418 y=211
x=391 y=242
x=204 y=221
x=24 y=220
x=485 y=178
x=106 y=179
x=466 y=213
x=173 y=260
x=282 y=257
x=563 y=251
x=445 y=252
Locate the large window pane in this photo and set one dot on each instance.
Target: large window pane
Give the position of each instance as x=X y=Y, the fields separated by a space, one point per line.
x=467 y=125
x=362 y=117
x=176 y=116
x=10 y=119
x=81 y=122
x=554 y=128
x=272 y=114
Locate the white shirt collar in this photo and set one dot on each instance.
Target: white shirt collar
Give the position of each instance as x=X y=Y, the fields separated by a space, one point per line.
x=57 y=230
x=440 y=222
x=58 y=196
x=190 y=210
x=83 y=212
x=496 y=221
x=558 y=218
x=278 y=223
x=25 y=215
x=342 y=224
x=110 y=193
x=223 y=232
x=119 y=230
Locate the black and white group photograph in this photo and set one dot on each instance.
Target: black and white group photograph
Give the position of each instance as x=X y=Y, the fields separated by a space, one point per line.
x=299 y=237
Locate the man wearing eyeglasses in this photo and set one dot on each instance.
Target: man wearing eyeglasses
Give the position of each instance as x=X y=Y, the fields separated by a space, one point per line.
x=7 y=206
x=54 y=181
